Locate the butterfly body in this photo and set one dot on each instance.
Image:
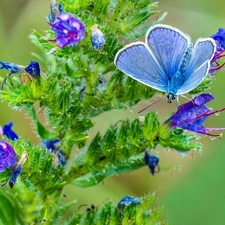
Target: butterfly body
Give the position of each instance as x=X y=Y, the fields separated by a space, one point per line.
x=167 y=62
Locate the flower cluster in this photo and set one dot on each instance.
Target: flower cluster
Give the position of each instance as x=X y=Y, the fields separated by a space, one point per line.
x=191 y=116
x=219 y=38
x=127 y=201
x=32 y=68
x=69 y=30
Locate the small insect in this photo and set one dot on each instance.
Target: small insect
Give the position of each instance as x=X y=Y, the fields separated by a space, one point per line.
x=167 y=61
x=127 y=201
x=87 y=209
x=97 y=37
x=151 y=161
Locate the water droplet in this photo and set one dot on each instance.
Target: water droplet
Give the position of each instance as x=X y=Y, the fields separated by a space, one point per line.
x=156 y=151
x=212 y=138
x=182 y=154
x=141 y=118
x=217 y=114
x=167 y=149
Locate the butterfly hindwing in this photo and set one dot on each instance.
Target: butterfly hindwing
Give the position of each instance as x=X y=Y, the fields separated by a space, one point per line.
x=168 y=45
x=136 y=61
x=198 y=65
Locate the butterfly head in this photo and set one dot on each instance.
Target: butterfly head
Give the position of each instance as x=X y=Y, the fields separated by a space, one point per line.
x=170 y=97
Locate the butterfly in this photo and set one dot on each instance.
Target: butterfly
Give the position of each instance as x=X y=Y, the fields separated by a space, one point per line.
x=168 y=61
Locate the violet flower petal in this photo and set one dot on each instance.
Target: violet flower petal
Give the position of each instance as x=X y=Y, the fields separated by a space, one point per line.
x=191 y=115
x=7 y=155
x=8 y=132
x=68 y=30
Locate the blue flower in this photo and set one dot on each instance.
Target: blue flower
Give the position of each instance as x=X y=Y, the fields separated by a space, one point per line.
x=14 y=175
x=61 y=158
x=11 y=67
x=8 y=132
x=17 y=169
x=52 y=146
x=55 y=9
x=127 y=201
x=191 y=115
x=7 y=155
x=219 y=38
x=68 y=30
x=97 y=37
x=151 y=161
x=33 y=69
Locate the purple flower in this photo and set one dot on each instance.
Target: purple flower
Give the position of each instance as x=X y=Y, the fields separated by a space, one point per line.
x=33 y=69
x=7 y=155
x=152 y=162
x=219 y=38
x=68 y=30
x=8 y=132
x=126 y=201
x=191 y=115
x=97 y=37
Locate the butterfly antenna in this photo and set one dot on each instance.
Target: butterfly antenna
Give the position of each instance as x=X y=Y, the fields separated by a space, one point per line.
x=186 y=97
x=150 y=105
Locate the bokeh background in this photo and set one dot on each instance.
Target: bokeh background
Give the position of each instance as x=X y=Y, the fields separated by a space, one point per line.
x=191 y=188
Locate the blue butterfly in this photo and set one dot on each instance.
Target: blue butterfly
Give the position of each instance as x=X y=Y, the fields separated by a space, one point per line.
x=168 y=61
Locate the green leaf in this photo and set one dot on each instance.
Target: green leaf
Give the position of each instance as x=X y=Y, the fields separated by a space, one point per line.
x=41 y=130
x=7 y=210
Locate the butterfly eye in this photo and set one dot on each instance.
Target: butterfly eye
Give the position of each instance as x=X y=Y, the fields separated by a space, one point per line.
x=170 y=97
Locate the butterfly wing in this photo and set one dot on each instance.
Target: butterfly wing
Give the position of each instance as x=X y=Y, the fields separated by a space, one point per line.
x=168 y=45
x=136 y=61
x=199 y=64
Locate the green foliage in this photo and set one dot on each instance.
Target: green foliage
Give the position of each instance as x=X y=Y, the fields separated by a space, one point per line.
x=121 y=149
x=108 y=214
x=77 y=84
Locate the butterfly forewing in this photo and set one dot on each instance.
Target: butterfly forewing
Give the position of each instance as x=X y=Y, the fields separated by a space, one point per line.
x=198 y=65
x=168 y=46
x=136 y=61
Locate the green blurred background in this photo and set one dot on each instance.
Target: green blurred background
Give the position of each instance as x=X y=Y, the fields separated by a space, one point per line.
x=191 y=188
